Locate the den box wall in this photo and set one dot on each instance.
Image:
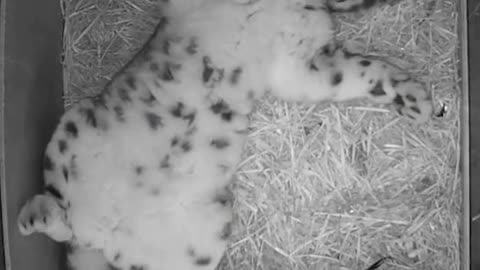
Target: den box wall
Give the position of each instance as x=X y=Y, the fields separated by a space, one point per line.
x=31 y=106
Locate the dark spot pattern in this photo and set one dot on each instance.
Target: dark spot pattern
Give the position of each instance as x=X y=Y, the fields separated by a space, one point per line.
x=131 y=82
x=165 y=162
x=154 y=121
x=123 y=95
x=224 y=197
x=309 y=7
x=203 y=261
x=65 y=173
x=177 y=111
x=139 y=170
x=137 y=267
x=378 y=90
x=227 y=116
x=219 y=107
x=313 y=66
x=48 y=164
x=117 y=257
x=411 y=98
x=167 y=72
x=362 y=74
x=192 y=47
x=155 y=191
x=394 y=82
x=223 y=109
x=235 y=76
x=349 y=55
x=189 y=117
x=71 y=129
x=150 y=100
x=211 y=75
x=90 y=117
x=220 y=143
x=62 y=146
x=100 y=102
x=119 y=113
x=226 y=231
x=54 y=191
x=207 y=69
x=398 y=100
x=328 y=50
x=174 y=141
x=365 y=63
x=337 y=78
x=186 y=146
x=415 y=109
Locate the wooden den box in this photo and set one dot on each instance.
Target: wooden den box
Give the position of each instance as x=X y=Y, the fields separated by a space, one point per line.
x=32 y=96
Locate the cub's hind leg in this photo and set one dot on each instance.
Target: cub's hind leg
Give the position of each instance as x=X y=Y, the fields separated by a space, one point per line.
x=338 y=75
x=43 y=214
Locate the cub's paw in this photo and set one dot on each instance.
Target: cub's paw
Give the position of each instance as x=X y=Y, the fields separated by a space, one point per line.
x=409 y=97
x=413 y=101
x=42 y=214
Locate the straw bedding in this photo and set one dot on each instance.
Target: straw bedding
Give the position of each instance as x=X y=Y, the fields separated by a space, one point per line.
x=330 y=186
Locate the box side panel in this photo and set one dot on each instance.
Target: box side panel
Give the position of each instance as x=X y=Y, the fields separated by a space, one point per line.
x=474 y=83
x=464 y=130
x=2 y=88
x=32 y=105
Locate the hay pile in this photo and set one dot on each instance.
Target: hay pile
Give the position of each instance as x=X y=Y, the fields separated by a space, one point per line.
x=332 y=186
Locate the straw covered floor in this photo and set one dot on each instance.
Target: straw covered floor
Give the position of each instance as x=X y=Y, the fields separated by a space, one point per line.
x=330 y=186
